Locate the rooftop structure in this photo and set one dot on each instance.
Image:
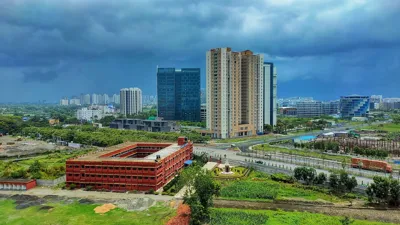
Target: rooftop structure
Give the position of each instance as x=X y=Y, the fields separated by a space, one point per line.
x=130 y=166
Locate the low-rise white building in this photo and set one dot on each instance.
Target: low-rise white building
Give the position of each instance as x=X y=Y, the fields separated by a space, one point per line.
x=89 y=114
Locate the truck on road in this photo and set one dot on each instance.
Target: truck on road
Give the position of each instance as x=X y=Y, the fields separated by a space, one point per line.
x=368 y=164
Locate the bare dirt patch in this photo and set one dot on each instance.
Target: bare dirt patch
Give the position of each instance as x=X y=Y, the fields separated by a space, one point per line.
x=104 y=208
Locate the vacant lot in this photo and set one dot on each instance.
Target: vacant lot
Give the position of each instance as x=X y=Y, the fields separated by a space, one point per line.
x=12 y=147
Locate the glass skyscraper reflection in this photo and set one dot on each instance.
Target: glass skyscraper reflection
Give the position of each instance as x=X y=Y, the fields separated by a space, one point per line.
x=178 y=92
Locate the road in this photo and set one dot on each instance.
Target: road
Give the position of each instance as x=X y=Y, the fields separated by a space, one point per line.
x=230 y=155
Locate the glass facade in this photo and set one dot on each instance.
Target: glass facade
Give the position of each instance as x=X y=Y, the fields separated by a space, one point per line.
x=178 y=92
x=354 y=106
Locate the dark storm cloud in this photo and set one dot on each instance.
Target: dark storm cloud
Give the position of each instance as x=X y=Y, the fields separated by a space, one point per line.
x=308 y=39
x=39 y=76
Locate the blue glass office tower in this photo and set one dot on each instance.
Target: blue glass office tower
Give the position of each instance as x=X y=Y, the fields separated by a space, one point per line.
x=178 y=92
x=354 y=106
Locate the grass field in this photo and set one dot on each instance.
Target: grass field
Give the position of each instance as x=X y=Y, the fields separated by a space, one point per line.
x=77 y=214
x=259 y=186
x=301 y=152
x=390 y=127
x=222 y=216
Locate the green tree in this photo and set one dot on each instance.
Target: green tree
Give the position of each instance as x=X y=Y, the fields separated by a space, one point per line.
x=321 y=178
x=199 y=195
x=342 y=183
x=308 y=175
x=384 y=191
x=268 y=128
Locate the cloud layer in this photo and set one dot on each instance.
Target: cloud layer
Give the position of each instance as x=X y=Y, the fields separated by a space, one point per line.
x=109 y=44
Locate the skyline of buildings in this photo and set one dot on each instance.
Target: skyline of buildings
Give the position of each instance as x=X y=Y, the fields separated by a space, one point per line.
x=178 y=92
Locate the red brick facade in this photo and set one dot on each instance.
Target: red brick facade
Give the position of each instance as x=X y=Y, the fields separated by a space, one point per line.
x=114 y=169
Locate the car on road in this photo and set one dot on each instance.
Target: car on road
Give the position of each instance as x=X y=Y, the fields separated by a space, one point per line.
x=259 y=162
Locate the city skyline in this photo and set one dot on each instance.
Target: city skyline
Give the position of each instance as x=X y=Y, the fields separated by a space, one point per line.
x=340 y=46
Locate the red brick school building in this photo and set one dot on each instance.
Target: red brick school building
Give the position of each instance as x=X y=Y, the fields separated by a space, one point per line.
x=129 y=166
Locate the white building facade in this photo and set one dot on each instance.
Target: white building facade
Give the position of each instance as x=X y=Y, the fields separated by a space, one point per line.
x=89 y=114
x=131 y=101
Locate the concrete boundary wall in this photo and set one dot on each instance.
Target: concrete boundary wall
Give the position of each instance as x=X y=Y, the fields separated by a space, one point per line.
x=50 y=183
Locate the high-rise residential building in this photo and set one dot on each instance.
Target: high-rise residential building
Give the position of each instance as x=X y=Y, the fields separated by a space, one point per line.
x=116 y=99
x=106 y=99
x=354 y=106
x=178 y=93
x=269 y=93
x=376 y=98
x=86 y=100
x=235 y=90
x=95 y=99
x=307 y=109
x=131 y=101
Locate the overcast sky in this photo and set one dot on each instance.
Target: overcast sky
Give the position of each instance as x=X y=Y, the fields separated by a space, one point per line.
x=322 y=48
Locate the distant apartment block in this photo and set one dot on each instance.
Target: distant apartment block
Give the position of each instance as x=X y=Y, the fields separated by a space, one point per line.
x=131 y=101
x=235 y=90
x=178 y=92
x=288 y=111
x=75 y=101
x=309 y=109
x=64 y=101
x=354 y=106
x=376 y=98
x=391 y=105
x=145 y=125
x=330 y=108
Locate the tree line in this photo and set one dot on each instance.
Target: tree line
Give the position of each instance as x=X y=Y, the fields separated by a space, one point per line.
x=103 y=137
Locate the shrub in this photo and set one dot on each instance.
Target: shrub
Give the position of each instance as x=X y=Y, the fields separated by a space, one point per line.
x=88 y=188
x=321 y=178
x=72 y=186
x=280 y=177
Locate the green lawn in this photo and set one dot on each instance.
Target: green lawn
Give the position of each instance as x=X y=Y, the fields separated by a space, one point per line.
x=259 y=186
x=390 y=127
x=301 y=152
x=223 y=216
x=76 y=214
